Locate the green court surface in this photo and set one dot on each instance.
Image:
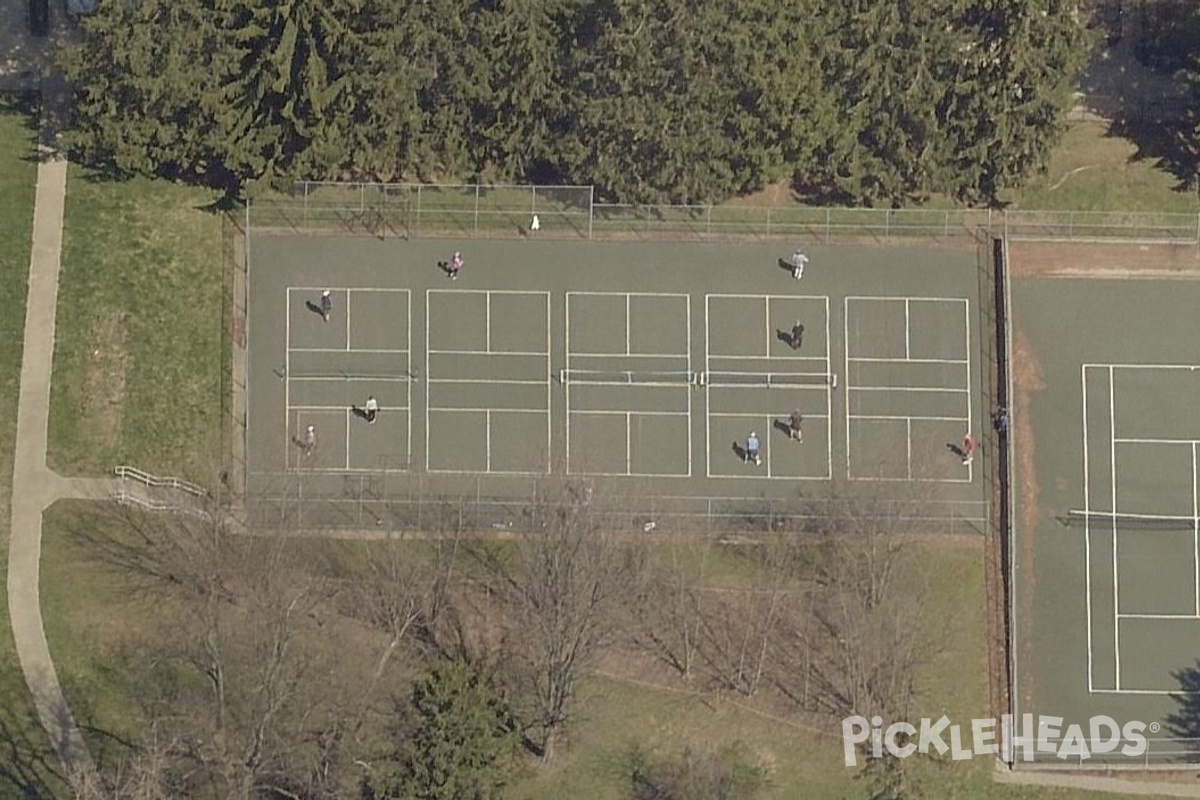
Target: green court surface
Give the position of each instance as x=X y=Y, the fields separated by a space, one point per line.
x=640 y=368
x=1106 y=551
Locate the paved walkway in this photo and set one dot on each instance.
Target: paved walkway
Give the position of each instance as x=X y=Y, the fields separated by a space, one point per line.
x=35 y=486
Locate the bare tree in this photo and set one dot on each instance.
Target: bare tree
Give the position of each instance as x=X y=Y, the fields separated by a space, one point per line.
x=667 y=608
x=562 y=583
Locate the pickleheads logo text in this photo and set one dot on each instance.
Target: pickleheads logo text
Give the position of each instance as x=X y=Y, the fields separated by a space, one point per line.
x=1034 y=735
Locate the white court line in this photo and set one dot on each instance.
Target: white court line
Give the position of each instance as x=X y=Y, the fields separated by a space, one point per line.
x=426 y=381
x=1112 y=432
x=1171 y=692
x=567 y=386
x=1087 y=530
x=347 y=315
x=487 y=322
x=752 y=414
x=523 y=353
x=1138 y=440
x=627 y=314
x=908 y=445
x=342 y=350
x=688 y=338
x=489 y=381
x=340 y=407
x=846 y=372
x=609 y=412
x=947 y=390
x=287 y=386
x=877 y=360
x=913 y=298
x=481 y=410
x=907 y=329
x=408 y=446
x=549 y=399
x=347 y=463
x=1191 y=367
x=767 y=326
x=905 y=417
x=1158 y=616
x=970 y=411
x=348 y=378
x=633 y=355
x=828 y=397
x=364 y=289
x=487 y=439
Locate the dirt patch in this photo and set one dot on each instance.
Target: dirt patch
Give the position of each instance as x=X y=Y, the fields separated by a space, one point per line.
x=105 y=367
x=1108 y=259
x=1028 y=379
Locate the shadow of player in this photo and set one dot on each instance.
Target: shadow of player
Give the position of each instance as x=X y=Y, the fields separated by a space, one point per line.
x=361 y=413
x=785 y=337
x=444 y=266
x=783 y=426
x=958 y=451
x=313 y=307
x=739 y=451
x=785 y=265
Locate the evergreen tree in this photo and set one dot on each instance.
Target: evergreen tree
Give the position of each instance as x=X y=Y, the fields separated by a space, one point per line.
x=460 y=743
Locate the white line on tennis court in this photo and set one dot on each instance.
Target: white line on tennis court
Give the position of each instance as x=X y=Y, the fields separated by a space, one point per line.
x=408 y=366
x=946 y=390
x=907 y=330
x=345 y=378
x=970 y=411
x=287 y=377
x=1190 y=367
x=340 y=407
x=688 y=338
x=1087 y=531
x=488 y=381
x=877 y=360
x=549 y=390
x=857 y=417
x=347 y=462
x=1142 y=440
x=846 y=372
x=1112 y=432
x=1143 y=691
x=487 y=322
x=428 y=293
x=347 y=315
x=1157 y=616
x=342 y=350
x=766 y=325
x=523 y=353
x=908 y=445
x=363 y=289
x=770 y=419
x=567 y=386
x=480 y=410
x=627 y=312
x=828 y=396
x=609 y=412
x=487 y=439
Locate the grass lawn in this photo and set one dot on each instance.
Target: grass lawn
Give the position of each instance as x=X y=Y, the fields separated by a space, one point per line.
x=90 y=620
x=1094 y=171
x=138 y=358
x=21 y=737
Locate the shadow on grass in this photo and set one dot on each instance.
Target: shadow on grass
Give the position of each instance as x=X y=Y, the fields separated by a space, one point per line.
x=1170 y=138
x=28 y=766
x=1185 y=722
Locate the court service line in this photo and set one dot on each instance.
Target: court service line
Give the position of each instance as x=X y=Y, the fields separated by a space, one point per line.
x=287 y=377
x=899 y=417
x=907 y=329
x=1158 y=616
x=487 y=322
x=342 y=350
x=1191 y=367
x=482 y=409
x=1087 y=531
x=947 y=390
x=766 y=325
x=340 y=407
x=1140 y=440
x=959 y=361
x=1112 y=432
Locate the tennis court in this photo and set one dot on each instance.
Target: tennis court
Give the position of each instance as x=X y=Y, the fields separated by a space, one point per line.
x=1106 y=553
x=642 y=367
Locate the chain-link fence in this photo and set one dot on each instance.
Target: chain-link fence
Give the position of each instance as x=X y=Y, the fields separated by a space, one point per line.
x=571 y=212
x=389 y=501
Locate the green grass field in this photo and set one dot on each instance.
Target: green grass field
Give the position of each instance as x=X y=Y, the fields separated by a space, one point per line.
x=137 y=367
x=21 y=738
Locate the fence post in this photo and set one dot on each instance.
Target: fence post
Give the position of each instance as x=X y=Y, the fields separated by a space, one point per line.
x=475 y=229
x=592 y=208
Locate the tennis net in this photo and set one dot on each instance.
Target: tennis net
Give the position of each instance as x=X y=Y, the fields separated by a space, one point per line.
x=626 y=377
x=769 y=380
x=1108 y=519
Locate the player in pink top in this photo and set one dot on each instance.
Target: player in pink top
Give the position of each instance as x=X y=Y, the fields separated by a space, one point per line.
x=969 y=447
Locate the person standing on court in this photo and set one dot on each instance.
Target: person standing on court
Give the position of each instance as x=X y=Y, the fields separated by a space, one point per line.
x=752 y=449
x=309 y=440
x=372 y=409
x=797 y=335
x=798 y=262
x=968 y=449
x=326 y=305
x=794 y=422
x=536 y=225
x=456 y=264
